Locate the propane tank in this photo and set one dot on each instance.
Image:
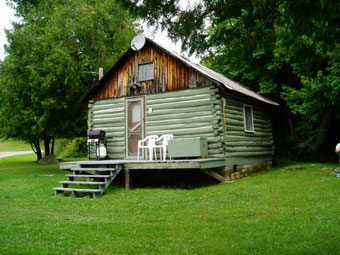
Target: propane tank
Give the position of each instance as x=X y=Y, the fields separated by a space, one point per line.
x=337 y=149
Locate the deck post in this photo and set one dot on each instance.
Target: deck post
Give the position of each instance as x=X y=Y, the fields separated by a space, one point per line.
x=127 y=178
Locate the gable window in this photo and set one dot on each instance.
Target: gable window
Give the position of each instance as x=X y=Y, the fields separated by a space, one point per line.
x=146 y=71
x=248 y=118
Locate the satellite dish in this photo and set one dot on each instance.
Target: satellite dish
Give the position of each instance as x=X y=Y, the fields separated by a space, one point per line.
x=138 y=42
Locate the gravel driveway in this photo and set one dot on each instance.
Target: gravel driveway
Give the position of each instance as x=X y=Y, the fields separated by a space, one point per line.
x=13 y=153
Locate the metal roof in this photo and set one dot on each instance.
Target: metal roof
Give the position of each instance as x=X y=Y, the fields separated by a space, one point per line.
x=218 y=77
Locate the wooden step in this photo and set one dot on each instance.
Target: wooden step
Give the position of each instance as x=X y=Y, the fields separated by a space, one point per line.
x=89 y=175
x=79 y=190
x=95 y=192
x=94 y=169
x=80 y=182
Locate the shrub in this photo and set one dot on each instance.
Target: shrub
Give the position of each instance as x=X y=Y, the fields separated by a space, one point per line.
x=71 y=148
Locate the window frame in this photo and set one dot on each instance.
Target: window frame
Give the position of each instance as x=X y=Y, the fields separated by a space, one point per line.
x=245 y=119
x=149 y=78
x=224 y=105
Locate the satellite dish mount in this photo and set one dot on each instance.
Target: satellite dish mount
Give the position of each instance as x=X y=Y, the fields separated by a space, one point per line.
x=137 y=44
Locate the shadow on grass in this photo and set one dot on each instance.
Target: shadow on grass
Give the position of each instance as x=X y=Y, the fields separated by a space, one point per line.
x=172 y=179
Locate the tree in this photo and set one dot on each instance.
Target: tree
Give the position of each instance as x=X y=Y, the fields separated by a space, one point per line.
x=52 y=54
x=287 y=50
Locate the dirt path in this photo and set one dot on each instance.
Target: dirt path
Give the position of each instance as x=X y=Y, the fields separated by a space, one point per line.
x=13 y=153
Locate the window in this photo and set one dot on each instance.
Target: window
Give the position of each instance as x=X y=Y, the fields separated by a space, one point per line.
x=248 y=118
x=146 y=71
x=223 y=111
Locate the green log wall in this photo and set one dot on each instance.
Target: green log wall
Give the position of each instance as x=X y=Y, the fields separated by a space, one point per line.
x=108 y=115
x=243 y=148
x=185 y=113
x=195 y=112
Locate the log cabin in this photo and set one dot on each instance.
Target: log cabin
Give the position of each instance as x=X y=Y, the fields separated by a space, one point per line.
x=161 y=92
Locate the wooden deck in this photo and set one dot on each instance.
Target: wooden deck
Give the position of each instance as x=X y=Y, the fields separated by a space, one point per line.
x=156 y=164
x=204 y=165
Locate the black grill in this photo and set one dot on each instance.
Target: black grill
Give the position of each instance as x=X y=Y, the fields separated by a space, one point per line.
x=97 y=145
x=97 y=134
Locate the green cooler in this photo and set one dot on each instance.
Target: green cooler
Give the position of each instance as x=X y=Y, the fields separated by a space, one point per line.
x=188 y=147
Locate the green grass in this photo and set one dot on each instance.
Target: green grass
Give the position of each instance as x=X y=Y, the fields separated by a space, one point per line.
x=61 y=146
x=14 y=145
x=290 y=210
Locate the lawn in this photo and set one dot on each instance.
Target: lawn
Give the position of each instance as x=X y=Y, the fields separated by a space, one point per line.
x=288 y=210
x=14 y=145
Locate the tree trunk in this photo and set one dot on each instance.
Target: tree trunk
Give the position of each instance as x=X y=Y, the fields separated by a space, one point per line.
x=52 y=145
x=289 y=119
x=47 y=146
x=36 y=149
x=39 y=154
x=325 y=125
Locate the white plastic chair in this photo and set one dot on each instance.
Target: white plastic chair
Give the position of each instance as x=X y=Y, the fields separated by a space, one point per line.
x=148 y=143
x=163 y=146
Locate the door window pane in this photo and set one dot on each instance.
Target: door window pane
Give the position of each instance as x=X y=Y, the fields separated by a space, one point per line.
x=134 y=114
x=133 y=144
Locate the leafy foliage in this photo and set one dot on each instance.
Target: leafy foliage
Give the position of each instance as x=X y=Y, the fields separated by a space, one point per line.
x=52 y=54
x=288 y=50
x=72 y=148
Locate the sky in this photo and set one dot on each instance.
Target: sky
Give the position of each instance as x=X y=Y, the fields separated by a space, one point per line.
x=7 y=15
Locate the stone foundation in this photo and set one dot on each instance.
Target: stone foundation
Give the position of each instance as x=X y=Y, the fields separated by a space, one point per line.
x=237 y=172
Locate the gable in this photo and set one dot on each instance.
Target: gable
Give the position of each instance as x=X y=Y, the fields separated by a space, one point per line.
x=171 y=72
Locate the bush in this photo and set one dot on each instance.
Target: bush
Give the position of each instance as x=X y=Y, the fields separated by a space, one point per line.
x=71 y=148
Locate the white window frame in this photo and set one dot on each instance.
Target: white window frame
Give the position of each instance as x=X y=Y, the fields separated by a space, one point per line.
x=245 y=119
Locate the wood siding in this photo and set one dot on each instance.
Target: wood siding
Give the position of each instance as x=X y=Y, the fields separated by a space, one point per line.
x=187 y=113
x=245 y=147
x=109 y=115
x=182 y=102
x=170 y=74
x=184 y=113
x=191 y=113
